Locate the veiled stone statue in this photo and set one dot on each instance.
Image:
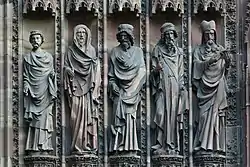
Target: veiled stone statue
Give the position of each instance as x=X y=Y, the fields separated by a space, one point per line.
x=127 y=74
x=168 y=90
x=210 y=64
x=39 y=89
x=82 y=80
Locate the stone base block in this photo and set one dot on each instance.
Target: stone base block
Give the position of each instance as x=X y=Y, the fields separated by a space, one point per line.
x=167 y=161
x=89 y=160
x=124 y=161
x=209 y=160
x=40 y=161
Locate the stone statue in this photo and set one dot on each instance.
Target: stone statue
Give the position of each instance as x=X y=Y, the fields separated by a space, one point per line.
x=127 y=74
x=39 y=89
x=168 y=90
x=82 y=81
x=210 y=64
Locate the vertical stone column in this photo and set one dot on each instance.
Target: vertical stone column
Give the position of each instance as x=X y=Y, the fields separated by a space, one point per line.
x=145 y=103
x=188 y=21
x=102 y=54
x=148 y=92
x=2 y=41
x=9 y=15
x=233 y=122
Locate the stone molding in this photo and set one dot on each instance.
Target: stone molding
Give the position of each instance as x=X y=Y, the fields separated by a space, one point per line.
x=32 y=5
x=40 y=161
x=177 y=5
x=167 y=160
x=212 y=160
x=74 y=5
x=124 y=161
x=218 y=5
x=132 y=5
x=82 y=160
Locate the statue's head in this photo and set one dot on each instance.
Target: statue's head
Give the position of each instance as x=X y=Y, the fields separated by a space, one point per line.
x=208 y=32
x=36 y=39
x=168 y=33
x=82 y=35
x=125 y=35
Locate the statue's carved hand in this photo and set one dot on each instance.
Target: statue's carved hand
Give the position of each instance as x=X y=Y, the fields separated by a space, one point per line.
x=182 y=87
x=158 y=67
x=212 y=60
x=70 y=72
x=25 y=90
x=116 y=89
x=225 y=55
x=52 y=74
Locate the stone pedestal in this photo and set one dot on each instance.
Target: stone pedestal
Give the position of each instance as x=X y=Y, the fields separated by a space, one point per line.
x=209 y=160
x=40 y=161
x=124 y=161
x=167 y=160
x=88 y=160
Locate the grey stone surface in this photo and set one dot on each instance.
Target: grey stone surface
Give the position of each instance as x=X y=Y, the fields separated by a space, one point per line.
x=57 y=28
x=168 y=89
x=210 y=66
x=126 y=78
x=82 y=84
x=39 y=88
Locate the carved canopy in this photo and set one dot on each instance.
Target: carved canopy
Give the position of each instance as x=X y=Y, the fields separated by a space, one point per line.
x=177 y=5
x=218 y=5
x=133 y=5
x=91 y=5
x=45 y=4
x=247 y=21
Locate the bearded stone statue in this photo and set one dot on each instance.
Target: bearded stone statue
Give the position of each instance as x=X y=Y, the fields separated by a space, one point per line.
x=210 y=65
x=127 y=74
x=168 y=90
x=39 y=89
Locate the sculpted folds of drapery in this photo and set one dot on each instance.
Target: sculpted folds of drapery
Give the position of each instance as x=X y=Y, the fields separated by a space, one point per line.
x=82 y=82
x=39 y=92
x=126 y=78
x=169 y=93
x=210 y=64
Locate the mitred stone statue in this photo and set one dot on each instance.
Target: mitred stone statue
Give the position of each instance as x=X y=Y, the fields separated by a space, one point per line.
x=210 y=65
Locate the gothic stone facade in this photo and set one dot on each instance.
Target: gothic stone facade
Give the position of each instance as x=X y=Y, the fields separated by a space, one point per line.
x=57 y=18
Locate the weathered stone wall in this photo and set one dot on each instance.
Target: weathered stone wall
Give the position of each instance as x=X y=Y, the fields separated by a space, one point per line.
x=57 y=27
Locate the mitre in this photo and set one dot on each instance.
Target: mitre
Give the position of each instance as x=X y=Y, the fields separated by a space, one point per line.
x=208 y=25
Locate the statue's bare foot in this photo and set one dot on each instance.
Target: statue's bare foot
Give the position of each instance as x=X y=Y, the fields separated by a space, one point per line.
x=45 y=153
x=156 y=147
x=160 y=152
x=77 y=152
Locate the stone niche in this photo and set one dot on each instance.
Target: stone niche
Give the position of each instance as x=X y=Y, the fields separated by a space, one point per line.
x=76 y=16
x=46 y=25
x=207 y=13
x=158 y=17
x=114 y=19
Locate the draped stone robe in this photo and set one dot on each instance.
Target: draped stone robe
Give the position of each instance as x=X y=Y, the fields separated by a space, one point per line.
x=210 y=83
x=170 y=102
x=83 y=92
x=127 y=71
x=38 y=68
